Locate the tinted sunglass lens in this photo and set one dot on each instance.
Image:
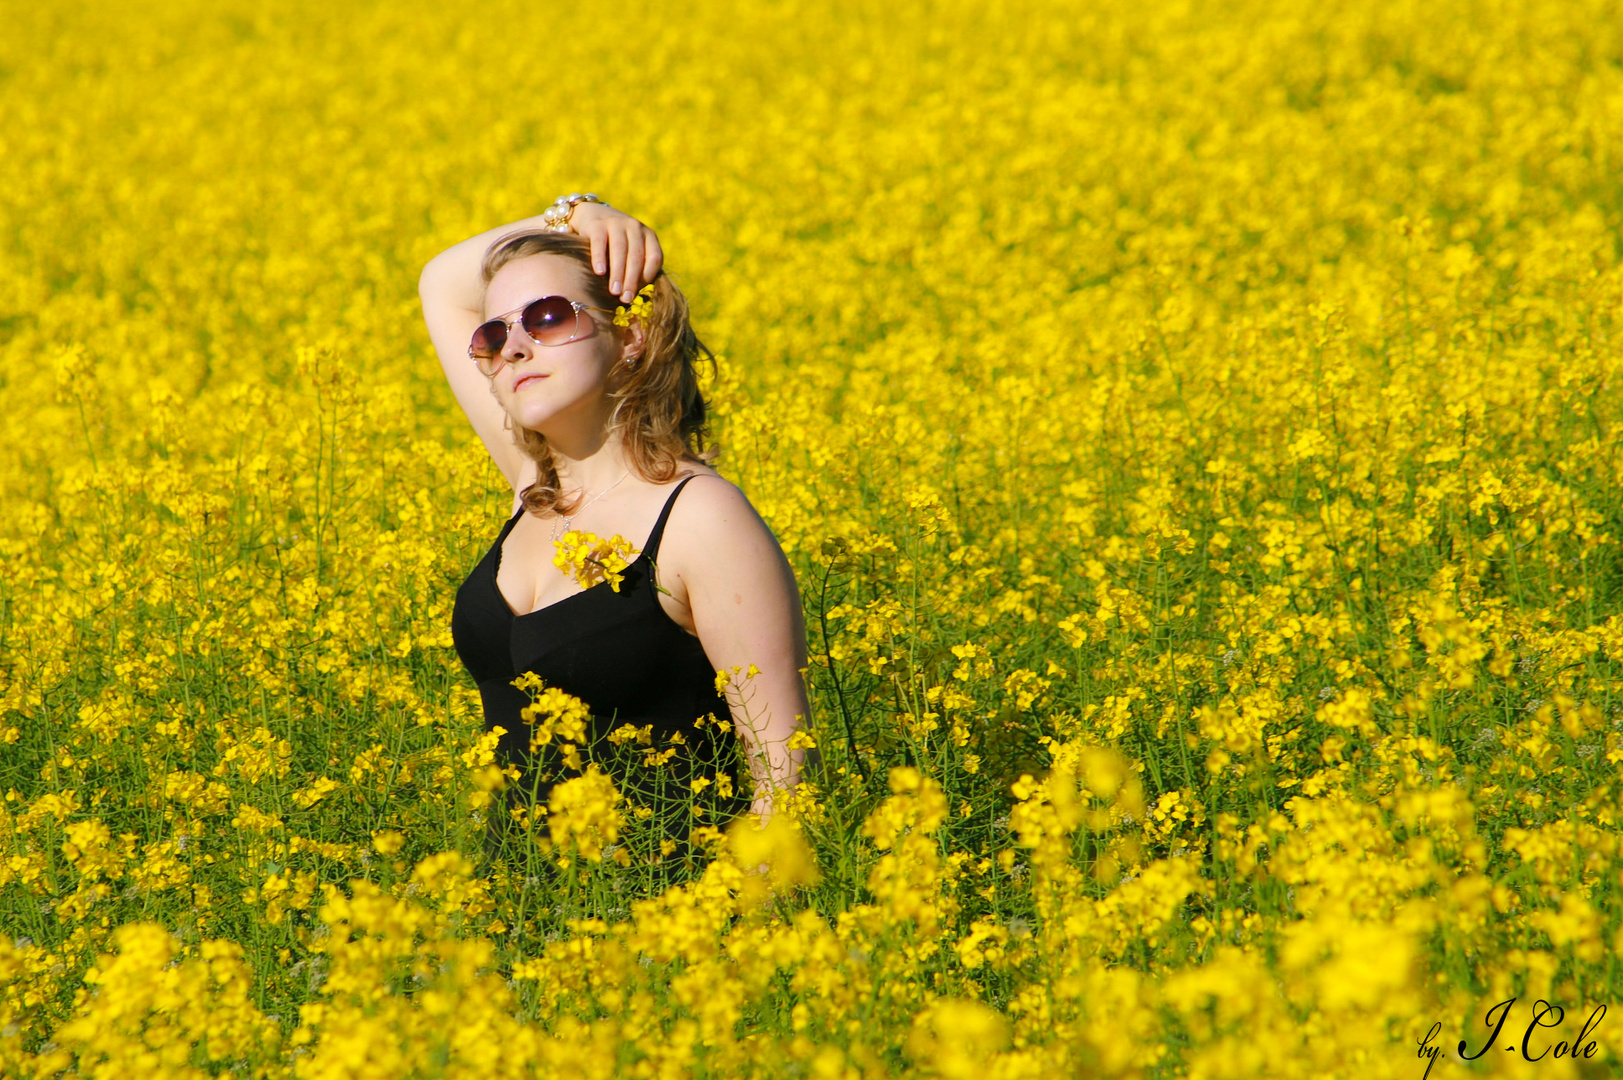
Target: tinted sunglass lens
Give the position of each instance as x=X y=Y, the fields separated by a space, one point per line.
x=550 y=320
x=488 y=342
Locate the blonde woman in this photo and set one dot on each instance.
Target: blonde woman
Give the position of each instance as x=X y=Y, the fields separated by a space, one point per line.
x=598 y=425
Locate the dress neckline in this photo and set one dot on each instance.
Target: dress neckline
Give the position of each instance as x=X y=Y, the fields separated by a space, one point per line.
x=654 y=537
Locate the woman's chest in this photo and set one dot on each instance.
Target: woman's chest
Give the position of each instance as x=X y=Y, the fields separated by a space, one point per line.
x=534 y=573
x=527 y=575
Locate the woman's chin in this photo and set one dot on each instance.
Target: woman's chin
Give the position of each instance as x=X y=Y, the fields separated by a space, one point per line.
x=533 y=418
x=547 y=426
x=550 y=419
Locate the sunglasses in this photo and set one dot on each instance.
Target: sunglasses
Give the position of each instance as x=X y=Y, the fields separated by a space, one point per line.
x=550 y=321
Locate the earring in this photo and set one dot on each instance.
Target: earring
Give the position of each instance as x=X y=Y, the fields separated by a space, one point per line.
x=507 y=420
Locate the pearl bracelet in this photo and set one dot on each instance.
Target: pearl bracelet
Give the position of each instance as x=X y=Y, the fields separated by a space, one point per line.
x=555 y=218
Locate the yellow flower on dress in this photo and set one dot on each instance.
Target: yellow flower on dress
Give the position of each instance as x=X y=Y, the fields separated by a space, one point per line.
x=590 y=560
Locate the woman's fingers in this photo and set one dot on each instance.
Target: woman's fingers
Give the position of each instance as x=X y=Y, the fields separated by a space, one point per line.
x=633 y=265
x=599 y=236
x=591 y=222
x=653 y=255
x=623 y=248
x=617 y=259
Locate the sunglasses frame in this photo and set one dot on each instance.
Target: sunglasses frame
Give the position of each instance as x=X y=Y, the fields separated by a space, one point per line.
x=518 y=320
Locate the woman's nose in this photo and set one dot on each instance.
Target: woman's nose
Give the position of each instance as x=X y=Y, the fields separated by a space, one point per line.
x=518 y=343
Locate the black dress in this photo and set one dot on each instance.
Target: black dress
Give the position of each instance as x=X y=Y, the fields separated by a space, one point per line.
x=622 y=655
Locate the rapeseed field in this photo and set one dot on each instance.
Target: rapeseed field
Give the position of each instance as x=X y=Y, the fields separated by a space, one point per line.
x=1197 y=430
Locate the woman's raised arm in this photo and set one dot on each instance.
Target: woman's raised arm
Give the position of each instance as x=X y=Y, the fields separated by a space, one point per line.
x=452 y=295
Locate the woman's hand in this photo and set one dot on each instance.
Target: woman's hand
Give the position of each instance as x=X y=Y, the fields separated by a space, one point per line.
x=623 y=247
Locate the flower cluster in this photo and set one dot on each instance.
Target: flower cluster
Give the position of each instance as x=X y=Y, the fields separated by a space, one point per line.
x=588 y=560
x=641 y=305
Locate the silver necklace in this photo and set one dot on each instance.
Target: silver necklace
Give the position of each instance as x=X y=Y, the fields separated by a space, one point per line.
x=582 y=510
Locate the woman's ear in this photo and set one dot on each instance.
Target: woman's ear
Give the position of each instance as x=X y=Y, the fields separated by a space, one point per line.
x=636 y=340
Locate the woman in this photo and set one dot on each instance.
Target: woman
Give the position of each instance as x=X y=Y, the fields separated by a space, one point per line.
x=597 y=423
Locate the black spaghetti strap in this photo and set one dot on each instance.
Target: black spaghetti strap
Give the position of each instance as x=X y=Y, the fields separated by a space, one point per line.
x=651 y=548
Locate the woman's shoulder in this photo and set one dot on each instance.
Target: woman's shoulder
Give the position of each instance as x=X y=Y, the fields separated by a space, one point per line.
x=720 y=548
x=713 y=518
x=708 y=491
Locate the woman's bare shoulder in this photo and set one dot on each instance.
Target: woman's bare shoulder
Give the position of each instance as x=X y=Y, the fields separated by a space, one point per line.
x=723 y=553
x=713 y=521
x=710 y=490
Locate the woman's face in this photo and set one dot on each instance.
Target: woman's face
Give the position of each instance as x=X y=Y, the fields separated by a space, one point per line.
x=542 y=387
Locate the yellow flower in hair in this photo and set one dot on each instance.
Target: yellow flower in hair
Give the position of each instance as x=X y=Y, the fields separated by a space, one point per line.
x=640 y=307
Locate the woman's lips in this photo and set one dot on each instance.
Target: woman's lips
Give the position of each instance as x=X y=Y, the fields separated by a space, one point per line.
x=522 y=379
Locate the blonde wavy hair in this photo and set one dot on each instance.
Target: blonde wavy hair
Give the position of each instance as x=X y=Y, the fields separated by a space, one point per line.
x=659 y=411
